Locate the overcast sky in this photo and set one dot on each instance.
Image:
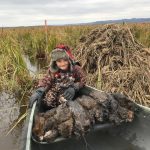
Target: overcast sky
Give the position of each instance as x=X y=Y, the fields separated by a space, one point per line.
x=34 y=12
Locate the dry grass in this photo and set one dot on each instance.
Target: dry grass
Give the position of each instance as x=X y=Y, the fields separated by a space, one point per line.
x=115 y=62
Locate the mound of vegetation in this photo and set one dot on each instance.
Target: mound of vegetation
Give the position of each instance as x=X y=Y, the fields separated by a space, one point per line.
x=114 y=61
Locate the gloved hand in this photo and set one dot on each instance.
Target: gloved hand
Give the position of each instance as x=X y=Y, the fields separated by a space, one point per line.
x=36 y=96
x=69 y=93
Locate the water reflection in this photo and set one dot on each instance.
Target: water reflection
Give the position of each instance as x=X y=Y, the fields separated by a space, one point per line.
x=35 y=66
x=31 y=66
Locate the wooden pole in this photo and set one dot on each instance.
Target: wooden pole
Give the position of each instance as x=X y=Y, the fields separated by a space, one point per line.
x=46 y=36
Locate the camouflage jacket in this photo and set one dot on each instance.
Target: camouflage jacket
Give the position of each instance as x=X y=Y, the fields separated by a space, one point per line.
x=77 y=73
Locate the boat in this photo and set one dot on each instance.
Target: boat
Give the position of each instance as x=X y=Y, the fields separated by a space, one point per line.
x=128 y=136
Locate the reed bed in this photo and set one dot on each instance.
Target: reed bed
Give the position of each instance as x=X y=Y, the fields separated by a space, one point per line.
x=14 y=74
x=37 y=43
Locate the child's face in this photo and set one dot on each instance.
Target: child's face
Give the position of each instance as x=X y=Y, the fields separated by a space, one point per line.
x=63 y=64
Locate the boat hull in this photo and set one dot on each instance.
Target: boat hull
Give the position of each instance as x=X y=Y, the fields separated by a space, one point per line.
x=128 y=136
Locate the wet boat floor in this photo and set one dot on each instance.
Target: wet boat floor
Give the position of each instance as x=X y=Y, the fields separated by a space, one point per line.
x=129 y=136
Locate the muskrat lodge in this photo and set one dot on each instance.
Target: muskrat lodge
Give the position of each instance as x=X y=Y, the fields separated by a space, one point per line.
x=76 y=118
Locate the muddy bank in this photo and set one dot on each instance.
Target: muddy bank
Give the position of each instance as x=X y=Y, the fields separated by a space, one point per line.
x=9 y=113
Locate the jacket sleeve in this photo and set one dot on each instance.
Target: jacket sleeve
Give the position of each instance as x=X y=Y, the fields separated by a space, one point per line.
x=80 y=77
x=46 y=80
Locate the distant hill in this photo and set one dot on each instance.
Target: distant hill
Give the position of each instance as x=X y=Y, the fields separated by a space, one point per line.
x=132 y=20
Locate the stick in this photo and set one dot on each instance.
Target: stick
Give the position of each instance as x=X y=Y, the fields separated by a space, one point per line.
x=21 y=118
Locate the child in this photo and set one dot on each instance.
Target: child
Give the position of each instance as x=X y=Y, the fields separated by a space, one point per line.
x=62 y=65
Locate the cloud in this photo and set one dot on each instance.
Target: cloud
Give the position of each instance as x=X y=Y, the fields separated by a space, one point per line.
x=33 y=12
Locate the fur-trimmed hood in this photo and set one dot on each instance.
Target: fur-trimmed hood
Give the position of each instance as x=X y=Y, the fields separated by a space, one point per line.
x=59 y=52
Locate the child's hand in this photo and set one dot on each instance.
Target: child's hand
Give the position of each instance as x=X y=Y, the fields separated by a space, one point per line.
x=69 y=93
x=36 y=95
